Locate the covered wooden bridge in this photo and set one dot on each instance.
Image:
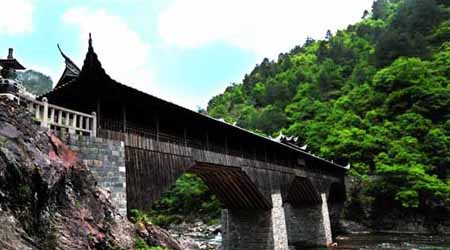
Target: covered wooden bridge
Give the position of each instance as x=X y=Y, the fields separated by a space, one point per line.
x=275 y=194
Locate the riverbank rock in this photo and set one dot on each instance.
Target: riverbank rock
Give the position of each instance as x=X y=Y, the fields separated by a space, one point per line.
x=156 y=236
x=50 y=200
x=363 y=214
x=351 y=227
x=197 y=235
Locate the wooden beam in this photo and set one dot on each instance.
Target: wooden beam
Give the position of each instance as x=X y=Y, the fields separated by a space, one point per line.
x=241 y=149
x=98 y=112
x=226 y=145
x=265 y=153
x=157 y=127
x=207 y=140
x=124 y=117
x=185 y=137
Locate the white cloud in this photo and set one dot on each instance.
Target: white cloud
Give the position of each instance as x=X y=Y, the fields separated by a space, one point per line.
x=16 y=16
x=266 y=27
x=122 y=52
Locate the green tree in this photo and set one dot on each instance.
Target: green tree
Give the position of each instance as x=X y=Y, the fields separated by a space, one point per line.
x=329 y=79
x=270 y=119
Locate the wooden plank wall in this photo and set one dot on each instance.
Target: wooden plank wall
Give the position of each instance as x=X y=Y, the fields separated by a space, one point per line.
x=267 y=180
x=152 y=167
x=150 y=173
x=154 y=164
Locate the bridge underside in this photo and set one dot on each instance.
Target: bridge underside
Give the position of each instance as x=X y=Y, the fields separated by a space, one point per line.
x=232 y=186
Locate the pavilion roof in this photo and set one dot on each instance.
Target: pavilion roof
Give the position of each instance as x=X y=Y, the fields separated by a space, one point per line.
x=11 y=63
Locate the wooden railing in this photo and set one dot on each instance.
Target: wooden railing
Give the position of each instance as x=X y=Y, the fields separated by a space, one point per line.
x=62 y=119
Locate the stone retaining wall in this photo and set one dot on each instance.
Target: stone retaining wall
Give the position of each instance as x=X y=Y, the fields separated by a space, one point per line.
x=106 y=159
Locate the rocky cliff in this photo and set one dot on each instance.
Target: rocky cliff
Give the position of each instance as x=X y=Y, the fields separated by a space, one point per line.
x=48 y=199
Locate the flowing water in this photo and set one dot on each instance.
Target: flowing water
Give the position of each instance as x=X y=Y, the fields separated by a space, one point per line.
x=392 y=242
x=378 y=242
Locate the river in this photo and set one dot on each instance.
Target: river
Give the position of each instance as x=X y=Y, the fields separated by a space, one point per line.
x=392 y=242
x=371 y=242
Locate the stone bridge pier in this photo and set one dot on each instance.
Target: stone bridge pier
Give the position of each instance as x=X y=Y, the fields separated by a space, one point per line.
x=298 y=216
x=282 y=227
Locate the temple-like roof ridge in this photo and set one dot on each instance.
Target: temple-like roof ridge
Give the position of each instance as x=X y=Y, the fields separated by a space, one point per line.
x=92 y=63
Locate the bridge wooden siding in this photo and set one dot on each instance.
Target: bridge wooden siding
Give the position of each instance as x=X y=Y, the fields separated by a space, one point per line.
x=240 y=178
x=154 y=162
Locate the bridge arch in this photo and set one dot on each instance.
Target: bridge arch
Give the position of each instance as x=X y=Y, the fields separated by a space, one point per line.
x=336 y=194
x=303 y=193
x=232 y=186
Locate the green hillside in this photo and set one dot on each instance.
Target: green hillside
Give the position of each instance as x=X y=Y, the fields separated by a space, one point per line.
x=35 y=82
x=376 y=94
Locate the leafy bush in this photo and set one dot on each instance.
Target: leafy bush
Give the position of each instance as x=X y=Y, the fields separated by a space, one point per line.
x=189 y=199
x=140 y=244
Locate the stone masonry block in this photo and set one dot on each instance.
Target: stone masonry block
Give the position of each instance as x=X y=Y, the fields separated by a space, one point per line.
x=106 y=160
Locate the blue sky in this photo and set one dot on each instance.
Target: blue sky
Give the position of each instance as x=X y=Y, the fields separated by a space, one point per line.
x=185 y=51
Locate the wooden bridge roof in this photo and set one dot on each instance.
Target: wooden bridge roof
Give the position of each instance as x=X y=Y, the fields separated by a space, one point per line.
x=93 y=82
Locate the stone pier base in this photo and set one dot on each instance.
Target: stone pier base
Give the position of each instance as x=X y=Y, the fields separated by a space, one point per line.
x=308 y=225
x=279 y=229
x=284 y=227
x=246 y=230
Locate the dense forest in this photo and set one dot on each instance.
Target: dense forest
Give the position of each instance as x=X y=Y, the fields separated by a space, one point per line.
x=376 y=94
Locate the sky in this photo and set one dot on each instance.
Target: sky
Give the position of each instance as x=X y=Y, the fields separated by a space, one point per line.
x=184 y=51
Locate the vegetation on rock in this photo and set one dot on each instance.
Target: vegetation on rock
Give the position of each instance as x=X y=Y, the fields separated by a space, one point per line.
x=150 y=237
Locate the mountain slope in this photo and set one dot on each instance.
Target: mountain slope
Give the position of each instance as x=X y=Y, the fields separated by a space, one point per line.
x=376 y=94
